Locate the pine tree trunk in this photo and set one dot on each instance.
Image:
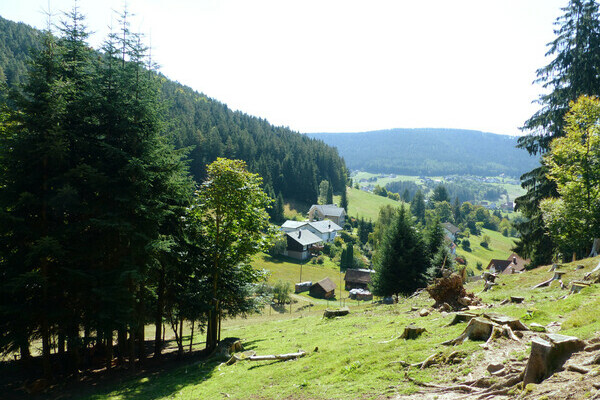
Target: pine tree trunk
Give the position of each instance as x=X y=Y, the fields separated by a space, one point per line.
x=158 y=319
x=192 y=337
x=109 y=348
x=122 y=344
x=132 y=348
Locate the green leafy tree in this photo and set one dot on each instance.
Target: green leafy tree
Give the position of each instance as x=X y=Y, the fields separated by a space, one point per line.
x=323 y=192
x=329 y=199
x=574 y=71
x=230 y=209
x=401 y=260
x=574 y=166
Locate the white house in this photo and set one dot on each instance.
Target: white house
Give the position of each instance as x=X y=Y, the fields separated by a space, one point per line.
x=319 y=212
x=327 y=230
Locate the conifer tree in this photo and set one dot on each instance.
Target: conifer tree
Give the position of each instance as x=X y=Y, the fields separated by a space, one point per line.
x=344 y=199
x=574 y=71
x=401 y=260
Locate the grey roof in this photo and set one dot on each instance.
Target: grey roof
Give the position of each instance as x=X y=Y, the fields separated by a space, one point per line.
x=304 y=237
x=293 y=224
x=358 y=275
x=325 y=226
x=329 y=209
x=451 y=228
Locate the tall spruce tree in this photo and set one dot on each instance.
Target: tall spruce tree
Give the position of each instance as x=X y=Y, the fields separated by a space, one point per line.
x=401 y=260
x=344 y=199
x=574 y=71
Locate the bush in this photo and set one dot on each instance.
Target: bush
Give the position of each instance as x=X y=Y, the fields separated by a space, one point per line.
x=479 y=266
x=484 y=244
x=320 y=260
x=466 y=244
x=282 y=291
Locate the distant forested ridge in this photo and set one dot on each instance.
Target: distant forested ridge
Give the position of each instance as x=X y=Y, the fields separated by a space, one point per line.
x=431 y=152
x=290 y=163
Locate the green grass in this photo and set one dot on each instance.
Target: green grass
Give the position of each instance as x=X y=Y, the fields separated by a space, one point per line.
x=499 y=248
x=366 y=205
x=354 y=356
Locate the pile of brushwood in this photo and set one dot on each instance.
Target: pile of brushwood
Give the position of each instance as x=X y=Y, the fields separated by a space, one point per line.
x=449 y=293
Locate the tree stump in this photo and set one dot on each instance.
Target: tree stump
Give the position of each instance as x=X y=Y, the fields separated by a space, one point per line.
x=514 y=323
x=577 y=286
x=477 y=329
x=462 y=317
x=517 y=299
x=336 y=313
x=412 y=332
x=549 y=355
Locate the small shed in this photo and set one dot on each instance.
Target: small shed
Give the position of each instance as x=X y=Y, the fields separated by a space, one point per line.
x=358 y=278
x=325 y=289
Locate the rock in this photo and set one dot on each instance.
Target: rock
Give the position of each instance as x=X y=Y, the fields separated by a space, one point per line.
x=414 y=308
x=446 y=307
x=549 y=355
x=537 y=327
x=579 y=267
x=412 y=332
x=424 y=312
x=494 y=367
x=336 y=313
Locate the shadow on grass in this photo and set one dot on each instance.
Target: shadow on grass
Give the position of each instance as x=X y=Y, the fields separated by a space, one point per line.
x=156 y=383
x=251 y=344
x=265 y=364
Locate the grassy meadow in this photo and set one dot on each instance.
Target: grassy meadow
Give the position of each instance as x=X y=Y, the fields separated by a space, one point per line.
x=357 y=356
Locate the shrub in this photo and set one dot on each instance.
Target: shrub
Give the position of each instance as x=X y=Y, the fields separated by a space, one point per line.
x=282 y=291
x=484 y=244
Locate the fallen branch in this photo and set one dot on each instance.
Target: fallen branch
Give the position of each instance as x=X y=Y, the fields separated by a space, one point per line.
x=289 y=356
x=251 y=356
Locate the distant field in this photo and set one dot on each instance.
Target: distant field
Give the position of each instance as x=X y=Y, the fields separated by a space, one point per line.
x=366 y=205
x=499 y=248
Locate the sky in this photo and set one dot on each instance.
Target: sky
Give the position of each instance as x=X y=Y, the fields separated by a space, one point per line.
x=343 y=65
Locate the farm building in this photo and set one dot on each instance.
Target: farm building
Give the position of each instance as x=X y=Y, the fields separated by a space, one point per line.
x=327 y=230
x=324 y=289
x=300 y=244
x=358 y=278
x=319 y=212
x=513 y=265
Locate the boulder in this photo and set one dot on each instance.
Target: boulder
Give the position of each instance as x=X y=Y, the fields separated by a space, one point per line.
x=424 y=312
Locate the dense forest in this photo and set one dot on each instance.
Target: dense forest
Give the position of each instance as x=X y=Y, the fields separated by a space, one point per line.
x=290 y=163
x=431 y=152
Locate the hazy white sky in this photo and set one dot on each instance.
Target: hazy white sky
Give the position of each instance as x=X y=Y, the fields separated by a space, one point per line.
x=342 y=65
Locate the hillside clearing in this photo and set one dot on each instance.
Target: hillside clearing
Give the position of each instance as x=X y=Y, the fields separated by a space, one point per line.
x=355 y=356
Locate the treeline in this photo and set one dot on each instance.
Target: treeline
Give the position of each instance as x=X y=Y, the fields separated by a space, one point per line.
x=290 y=163
x=431 y=152
x=102 y=229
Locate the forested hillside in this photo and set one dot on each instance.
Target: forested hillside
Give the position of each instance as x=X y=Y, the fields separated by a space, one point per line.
x=431 y=152
x=289 y=163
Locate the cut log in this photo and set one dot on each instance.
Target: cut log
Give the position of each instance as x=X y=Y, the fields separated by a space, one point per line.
x=542 y=284
x=462 y=317
x=516 y=299
x=558 y=275
x=514 y=323
x=336 y=313
x=289 y=356
x=412 y=332
x=549 y=355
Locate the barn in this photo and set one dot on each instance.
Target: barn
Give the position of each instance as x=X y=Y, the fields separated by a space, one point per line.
x=324 y=289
